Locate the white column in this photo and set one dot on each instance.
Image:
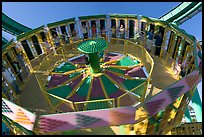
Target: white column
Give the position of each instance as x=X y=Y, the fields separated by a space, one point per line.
x=19 y=46
x=164 y=42
x=40 y=41
x=80 y=28
x=59 y=30
x=126 y=28
x=91 y=34
x=49 y=37
x=136 y=27
x=58 y=33
x=139 y=23
x=98 y=27
x=67 y=30
x=108 y=27
x=31 y=46
x=77 y=30
x=89 y=28
x=117 y=31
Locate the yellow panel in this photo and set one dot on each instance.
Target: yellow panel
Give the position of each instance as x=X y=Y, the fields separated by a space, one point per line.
x=140 y=113
x=141 y=127
x=178 y=102
x=172 y=114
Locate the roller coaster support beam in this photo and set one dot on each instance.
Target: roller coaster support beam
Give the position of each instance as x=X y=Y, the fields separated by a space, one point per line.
x=197 y=105
x=188 y=116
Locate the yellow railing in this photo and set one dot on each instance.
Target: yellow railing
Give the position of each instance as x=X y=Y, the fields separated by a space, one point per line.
x=127 y=99
x=188 y=129
x=41 y=82
x=116 y=45
x=141 y=54
x=69 y=104
x=50 y=61
x=94 y=104
x=139 y=88
x=36 y=61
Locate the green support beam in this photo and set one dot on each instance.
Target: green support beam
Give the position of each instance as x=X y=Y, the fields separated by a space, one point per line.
x=11 y=26
x=197 y=105
x=4 y=41
x=182 y=12
x=189 y=14
x=188 y=116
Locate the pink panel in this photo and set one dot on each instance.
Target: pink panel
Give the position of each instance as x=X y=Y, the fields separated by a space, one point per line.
x=87 y=119
x=166 y=96
x=18 y=114
x=113 y=116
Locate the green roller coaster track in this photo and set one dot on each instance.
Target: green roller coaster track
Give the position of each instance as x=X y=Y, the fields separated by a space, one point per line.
x=4 y=41
x=182 y=12
x=11 y=26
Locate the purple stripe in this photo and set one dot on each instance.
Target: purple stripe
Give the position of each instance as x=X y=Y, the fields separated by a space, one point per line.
x=136 y=72
x=77 y=98
x=74 y=83
x=116 y=94
x=111 y=56
x=97 y=90
x=115 y=77
x=65 y=108
x=79 y=60
x=57 y=80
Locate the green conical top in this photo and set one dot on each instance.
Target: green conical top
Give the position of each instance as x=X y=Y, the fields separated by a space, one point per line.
x=93 y=47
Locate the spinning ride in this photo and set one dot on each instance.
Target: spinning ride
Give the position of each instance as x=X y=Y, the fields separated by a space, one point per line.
x=99 y=82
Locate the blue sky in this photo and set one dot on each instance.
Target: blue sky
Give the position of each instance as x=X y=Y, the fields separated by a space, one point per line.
x=46 y=12
x=35 y=14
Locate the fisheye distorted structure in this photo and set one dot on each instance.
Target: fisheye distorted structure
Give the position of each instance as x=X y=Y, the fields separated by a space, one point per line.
x=129 y=73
